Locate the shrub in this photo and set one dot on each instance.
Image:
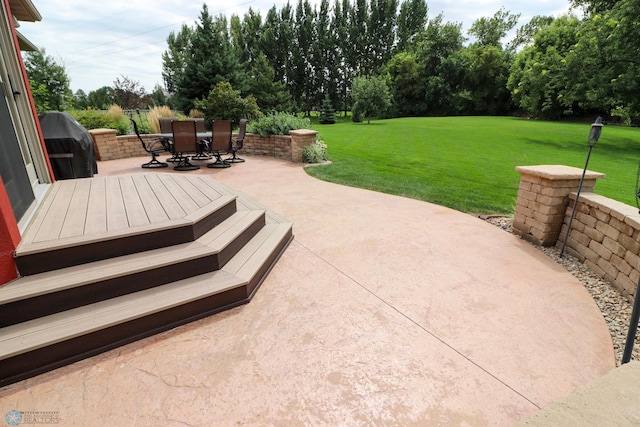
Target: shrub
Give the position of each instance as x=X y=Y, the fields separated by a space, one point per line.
x=315 y=153
x=196 y=114
x=155 y=113
x=96 y=119
x=225 y=103
x=278 y=124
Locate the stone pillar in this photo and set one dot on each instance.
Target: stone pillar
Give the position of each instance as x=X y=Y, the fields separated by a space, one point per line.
x=299 y=139
x=543 y=197
x=105 y=144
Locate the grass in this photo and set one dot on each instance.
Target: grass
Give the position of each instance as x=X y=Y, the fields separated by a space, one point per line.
x=467 y=163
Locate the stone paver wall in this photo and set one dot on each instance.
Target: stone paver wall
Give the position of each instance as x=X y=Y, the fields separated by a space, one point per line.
x=604 y=235
x=108 y=146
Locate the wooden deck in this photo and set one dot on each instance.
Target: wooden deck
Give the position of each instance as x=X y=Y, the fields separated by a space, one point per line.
x=108 y=260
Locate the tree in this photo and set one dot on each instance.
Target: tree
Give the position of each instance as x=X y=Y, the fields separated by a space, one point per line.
x=101 y=98
x=606 y=62
x=270 y=94
x=174 y=58
x=225 y=103
x=437 y=50
x=130 y=94
x=327 y=114
x=210 y=59
x=539 y=77
x=158 y=97
x=486 y=65
x=49 y=82
x=381 y=33
x=302 y=84
x=408 y=84
x=490 y=31
x=371 y=96
x=80 y=100
x=411 y=21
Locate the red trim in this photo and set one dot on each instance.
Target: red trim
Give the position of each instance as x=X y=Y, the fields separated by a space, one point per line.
x=28 y=88
x=9 y=238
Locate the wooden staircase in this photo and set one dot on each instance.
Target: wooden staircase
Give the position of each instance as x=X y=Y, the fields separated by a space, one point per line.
x=107 y=261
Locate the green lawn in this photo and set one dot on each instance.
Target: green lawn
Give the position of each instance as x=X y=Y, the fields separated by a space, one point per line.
x=467 y=163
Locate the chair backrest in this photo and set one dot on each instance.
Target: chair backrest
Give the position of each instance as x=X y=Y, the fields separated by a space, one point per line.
x=165 y=124
x=221 y=139
x=242 y=130
x=135 y=129
x=200 y=128
x=185 y=138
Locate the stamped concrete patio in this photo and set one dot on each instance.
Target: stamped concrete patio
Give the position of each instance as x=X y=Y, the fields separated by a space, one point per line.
x=382 y=311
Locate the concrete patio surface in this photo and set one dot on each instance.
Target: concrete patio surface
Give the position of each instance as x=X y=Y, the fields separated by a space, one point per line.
x=382 y=311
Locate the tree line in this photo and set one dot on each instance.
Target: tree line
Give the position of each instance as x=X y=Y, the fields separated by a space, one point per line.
x=297 y=57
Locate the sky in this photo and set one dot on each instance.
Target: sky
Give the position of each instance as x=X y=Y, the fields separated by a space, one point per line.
x=100 y=41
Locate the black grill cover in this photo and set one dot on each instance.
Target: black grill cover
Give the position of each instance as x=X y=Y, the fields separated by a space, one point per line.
x=63 y=134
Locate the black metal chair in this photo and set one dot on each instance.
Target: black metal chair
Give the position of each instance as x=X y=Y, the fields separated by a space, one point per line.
x=153 y=146
x=220 y=142
x=236 y=143
x=185 y=140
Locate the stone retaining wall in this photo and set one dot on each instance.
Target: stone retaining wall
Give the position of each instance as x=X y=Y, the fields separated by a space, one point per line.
x=108 y=146
x=604 y=235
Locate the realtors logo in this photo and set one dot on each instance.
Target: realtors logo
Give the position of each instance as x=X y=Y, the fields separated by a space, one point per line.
x=15 y=418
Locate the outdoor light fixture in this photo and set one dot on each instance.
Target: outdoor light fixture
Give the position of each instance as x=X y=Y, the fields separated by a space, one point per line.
x=594 y=136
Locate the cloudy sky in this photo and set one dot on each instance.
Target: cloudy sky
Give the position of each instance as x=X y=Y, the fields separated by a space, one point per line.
x=98 y=41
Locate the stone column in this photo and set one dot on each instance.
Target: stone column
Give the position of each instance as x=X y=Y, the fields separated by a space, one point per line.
x=105 y=144
x=299 y=139
x=543 y=197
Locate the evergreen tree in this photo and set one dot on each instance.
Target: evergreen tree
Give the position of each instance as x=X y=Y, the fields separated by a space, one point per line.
x=270 y=94
x=210 y=59
x=174 y=58
x=327 y=114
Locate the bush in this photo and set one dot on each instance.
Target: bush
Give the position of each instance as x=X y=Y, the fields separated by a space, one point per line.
x=225 y=103
x=278 y=124
x=97 y=119
x=315 y=153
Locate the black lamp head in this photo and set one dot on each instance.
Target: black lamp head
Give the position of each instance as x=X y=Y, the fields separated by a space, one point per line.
x=596 y=130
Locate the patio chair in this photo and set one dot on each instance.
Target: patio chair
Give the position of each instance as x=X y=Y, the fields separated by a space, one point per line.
x=152 y=146
x=165 y=124
x=220 y=142
x=236 y=143
x=165 y=128
x=185 y=140
x=203 y=144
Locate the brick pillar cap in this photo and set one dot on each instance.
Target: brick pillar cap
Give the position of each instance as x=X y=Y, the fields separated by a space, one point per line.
x=303 y=132
x=101 y=131
x=558 y=172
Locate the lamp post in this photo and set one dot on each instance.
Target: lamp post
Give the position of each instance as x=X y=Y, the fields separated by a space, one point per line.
x=635 y=313
x=594 y=135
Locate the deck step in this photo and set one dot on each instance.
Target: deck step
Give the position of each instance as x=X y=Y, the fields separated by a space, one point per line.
x=41 y=256
x=106 y=261
x=54 y=291
x=45 y=343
